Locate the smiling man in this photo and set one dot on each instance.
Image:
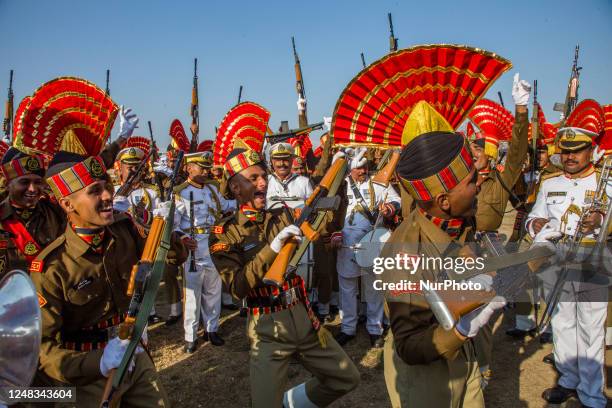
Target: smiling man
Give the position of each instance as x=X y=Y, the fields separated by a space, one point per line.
x=283 y=184
x=81 y=279
x=281 y=324
x=28 y=219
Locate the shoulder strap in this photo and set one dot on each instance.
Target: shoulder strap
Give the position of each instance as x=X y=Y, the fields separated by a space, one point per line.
x=24 y=241
x=360 y=199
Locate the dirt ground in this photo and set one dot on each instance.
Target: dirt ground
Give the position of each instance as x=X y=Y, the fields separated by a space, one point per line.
x=219 y=376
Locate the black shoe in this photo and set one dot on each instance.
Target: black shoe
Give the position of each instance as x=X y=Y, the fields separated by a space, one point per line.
x=362 y=319
x=244 y=312
x=190 y=346
x=323 y=318
x=153 y=319
x=377 y=341
x=173 y=319
x=546 y=338
x=549 y=359
x=343 y=338
x=558 y=394
x=519 y=334
x=214 y=339
x=333 y=310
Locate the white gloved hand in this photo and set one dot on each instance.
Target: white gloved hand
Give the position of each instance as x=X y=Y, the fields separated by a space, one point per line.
x=339 y=155
x=163 y=209
x=113 y=353
x=327 y=121
x=301 y=104
x=469 y=324
x=548 y=234
x=598 y=153
x=121 y=203
x=128 y=121
x=291 y=231
x=520 y=91
x=485 y=281
x=359 y=159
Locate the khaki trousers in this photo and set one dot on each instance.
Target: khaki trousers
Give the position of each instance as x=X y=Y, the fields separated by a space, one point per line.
x=276 y=338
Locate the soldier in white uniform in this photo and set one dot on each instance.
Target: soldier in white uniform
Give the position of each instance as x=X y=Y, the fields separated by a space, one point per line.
x=283 y=185
x=141 y=200
x=365 y=199
x=578 y=322
x=202 y=286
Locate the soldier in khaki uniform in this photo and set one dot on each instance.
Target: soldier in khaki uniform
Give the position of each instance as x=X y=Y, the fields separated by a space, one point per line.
x=28 y=219
x=281 y=324
x=426 y=365
x=81 y=279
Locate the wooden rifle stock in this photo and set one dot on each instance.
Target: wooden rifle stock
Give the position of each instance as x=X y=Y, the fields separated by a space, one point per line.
x=276 y=274
x=384 y=175
x=148 y=256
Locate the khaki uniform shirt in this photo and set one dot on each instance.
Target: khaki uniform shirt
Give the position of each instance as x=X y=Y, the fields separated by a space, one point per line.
x=495 y=188
x=79 y=288
x=241 y=249
x=46 y=222
x=439 y=364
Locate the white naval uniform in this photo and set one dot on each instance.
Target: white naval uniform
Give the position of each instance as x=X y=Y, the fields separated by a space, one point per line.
x=356 y=226
x=151 y=198
x=202 y=287
x=294 y=190
x=578 y=325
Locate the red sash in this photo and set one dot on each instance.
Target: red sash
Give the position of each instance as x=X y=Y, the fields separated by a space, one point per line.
x=23 y=240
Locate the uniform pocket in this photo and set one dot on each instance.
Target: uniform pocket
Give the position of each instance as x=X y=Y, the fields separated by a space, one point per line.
x=555 y=199
x=86 y=291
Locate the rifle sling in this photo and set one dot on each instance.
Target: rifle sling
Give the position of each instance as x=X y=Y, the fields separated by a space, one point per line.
x=361 y=200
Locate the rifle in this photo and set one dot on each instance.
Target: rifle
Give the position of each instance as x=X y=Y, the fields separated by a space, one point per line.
x=107 y=90
x=195 y=110
x=192 y=264
x=144 y=282
x=392 y=39
x=283 y=136
x=387 y=167
x=535 y=130
x=239 y=97
x=363 y=60
x=153 y=149
x=299 y=86
x=319 y=200
x=7 y=124
x=571 y=96
x=501 y=100
x=135 y=175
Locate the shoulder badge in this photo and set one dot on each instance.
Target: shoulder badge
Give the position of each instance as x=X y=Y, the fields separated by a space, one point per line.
x=41 y=300
x=217 y=229
x=551 y=175
x=36 y=265
x=219 y=247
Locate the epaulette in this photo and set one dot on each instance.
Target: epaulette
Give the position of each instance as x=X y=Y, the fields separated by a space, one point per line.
x=551 y=175
x=180 y=187
x=37 y=264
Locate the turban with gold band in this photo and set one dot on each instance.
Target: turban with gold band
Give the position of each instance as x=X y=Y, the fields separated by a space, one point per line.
x=16 y=163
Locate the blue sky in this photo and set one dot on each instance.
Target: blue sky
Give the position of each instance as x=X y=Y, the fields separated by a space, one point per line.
x=150 y=46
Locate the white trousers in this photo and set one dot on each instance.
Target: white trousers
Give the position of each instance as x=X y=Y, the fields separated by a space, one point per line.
x=579 y=340
x=349 y=288
x=202 y=292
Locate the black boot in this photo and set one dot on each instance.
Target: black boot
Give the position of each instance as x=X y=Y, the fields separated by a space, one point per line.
x=172 y=320
x=343 y=338
x=558 y=394
x=214 y=339
x=190 y=346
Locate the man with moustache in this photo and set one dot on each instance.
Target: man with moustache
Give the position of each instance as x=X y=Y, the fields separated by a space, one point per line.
x=578 y=322
x=81 y=279
x=283 y=185
x=365 y=200
x=281 y=324
x=426 y=365
x=298 y=167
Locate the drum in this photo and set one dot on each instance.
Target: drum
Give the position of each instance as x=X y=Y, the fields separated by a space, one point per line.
x=369 y=247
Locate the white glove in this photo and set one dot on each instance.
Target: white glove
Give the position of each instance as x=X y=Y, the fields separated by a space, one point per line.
x=128 y=121
x=547 y=234
x=163 y=209
x=469 y=324
x=164 y=169
x=598 y=153
x=291 y=231
x=339 y=155
x=301 y=104
x=121 y=203
x=359 y=159
x=113 y=353
x=520 y=91
x=327 y=121
x=485 y=281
